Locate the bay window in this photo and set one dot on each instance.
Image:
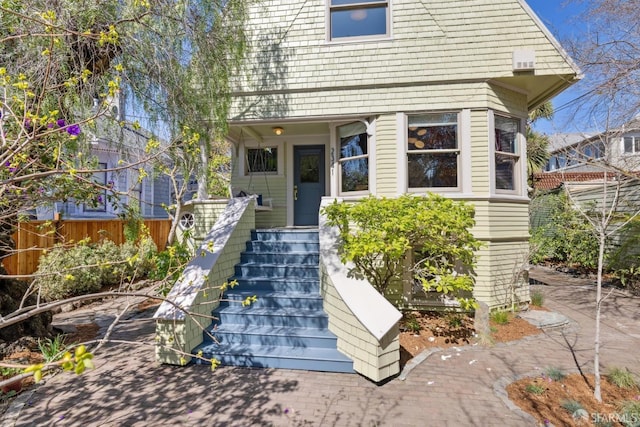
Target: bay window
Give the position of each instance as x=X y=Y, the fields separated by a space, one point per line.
x=507 y=152
x=433 y=151
x=354 y=157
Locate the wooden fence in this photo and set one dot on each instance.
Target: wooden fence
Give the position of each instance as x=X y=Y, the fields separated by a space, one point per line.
x=34 y=236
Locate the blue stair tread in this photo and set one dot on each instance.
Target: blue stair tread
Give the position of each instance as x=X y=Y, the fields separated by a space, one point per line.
x=273 y=264
x=274 y=279
x=276 y=253
x=271 y=294
x=258 y=311
x=281 y=352
x=231 y=328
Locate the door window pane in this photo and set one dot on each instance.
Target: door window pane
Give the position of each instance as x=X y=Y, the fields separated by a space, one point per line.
x=309 y=168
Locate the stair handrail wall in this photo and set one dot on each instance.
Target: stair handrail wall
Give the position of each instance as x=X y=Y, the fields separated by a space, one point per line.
x=181 y=320
x=366 y=324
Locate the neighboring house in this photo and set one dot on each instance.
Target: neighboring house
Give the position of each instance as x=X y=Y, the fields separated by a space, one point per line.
x=617 y=148
x=115 y=147
x=346 y=99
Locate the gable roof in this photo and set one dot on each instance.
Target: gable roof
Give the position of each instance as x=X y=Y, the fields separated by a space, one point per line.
x=430 y=43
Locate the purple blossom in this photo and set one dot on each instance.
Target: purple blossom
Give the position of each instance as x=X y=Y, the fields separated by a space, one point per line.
x=61 y=122
x=73 y=130
x=99 y=198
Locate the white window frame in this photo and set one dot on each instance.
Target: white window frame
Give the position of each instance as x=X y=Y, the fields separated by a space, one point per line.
x=635 y=145
x=519 y=168
x=459 y=150
x=244 y=151
x=355 y=6
x=339 y=160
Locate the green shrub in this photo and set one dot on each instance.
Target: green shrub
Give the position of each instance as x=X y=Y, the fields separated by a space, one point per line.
x=571 y=406
x=560 y=233
x=535 y=389
x=500 y=317
x=537 y=299
x=65 y=272
x=377 y=234
x=52 y=349
x=78 y=270
x=555 y=374
x=411 y=323
x=169 y=265
x=109 y=256
x=622 y=378
x=630 y=413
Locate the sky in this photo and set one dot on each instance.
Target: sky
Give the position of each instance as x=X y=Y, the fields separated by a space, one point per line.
x=561 y=20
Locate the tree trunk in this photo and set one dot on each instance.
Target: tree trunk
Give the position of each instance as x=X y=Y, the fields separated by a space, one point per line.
x=596 y=356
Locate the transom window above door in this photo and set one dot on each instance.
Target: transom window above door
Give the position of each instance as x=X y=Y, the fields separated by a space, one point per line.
x=358 y=19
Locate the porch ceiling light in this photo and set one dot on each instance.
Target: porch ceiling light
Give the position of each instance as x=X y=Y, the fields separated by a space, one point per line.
x=278 y=130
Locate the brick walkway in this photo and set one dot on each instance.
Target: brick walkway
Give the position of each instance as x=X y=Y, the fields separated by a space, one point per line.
x=457 y=387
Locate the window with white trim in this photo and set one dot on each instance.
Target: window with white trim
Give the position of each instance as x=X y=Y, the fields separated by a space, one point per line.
x=358 y=18
x=433 y=151
x=354 y=157
x=631 y=144
x=262 y=160
x=507 y=152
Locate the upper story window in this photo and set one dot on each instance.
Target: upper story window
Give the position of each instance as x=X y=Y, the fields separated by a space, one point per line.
x=433 y=151
x=631 y=144
x=507 y=152
x=262 y=160
x=354 y=157
x=358 y=18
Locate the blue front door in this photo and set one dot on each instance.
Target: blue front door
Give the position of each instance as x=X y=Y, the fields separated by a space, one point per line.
x=308 y=183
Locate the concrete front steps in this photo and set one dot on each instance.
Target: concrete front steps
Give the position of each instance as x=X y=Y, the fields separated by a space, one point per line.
x=286 y=327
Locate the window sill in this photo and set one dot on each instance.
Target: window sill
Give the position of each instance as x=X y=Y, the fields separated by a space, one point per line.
x=352 y=40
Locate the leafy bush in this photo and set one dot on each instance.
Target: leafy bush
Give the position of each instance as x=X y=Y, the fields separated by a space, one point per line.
x=560 y=233
x=500 y=317
x=630 y=411
x=555 y=374
x=169 y=265
x=70 y=271
x=65 y=272
x=622 y=378
x=378 y=234
x=535 y=389
x=411 y=323
x=571 y=406
x=537 y=299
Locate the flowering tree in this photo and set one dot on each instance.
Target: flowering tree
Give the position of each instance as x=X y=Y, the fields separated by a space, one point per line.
x=64 y=64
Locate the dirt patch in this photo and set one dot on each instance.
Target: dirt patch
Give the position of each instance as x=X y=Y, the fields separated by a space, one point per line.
x=149 y=303
x=553 y=401
x=423 y=330
x=83 y=333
